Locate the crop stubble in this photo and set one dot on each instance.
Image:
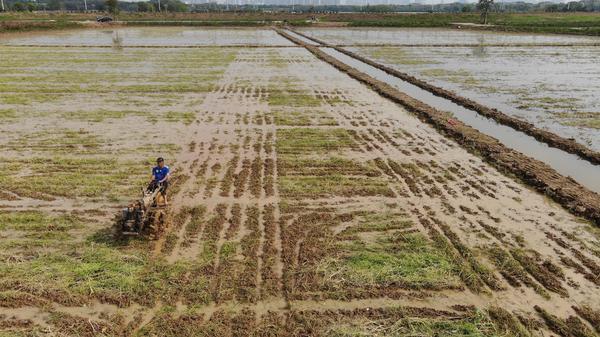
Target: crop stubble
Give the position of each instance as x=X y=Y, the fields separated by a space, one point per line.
x=312 y=206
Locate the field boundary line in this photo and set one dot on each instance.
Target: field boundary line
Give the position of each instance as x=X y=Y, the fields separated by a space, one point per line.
x=150 y=46
x=550 y=138
x=564 y=190
x=453 y=45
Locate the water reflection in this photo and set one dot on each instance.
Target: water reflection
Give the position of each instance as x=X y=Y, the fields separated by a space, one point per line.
x=152 y=36
x=117 y=41
x=565 y=163
x=436 y=36
x=480 y=50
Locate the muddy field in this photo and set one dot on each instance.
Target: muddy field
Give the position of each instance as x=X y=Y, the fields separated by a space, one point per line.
x=438 y=36
x=151 y=36
x=548 y=80
x=303 y=203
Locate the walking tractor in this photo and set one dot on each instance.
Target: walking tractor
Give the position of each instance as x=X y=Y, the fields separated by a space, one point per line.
x=146 y=216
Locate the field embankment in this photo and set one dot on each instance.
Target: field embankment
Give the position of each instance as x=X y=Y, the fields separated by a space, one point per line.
x=26 y=25
x=559 y=23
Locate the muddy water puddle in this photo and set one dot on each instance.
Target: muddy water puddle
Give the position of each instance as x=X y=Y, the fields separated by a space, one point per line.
x=150 y=36
x=567 y=164
x=427 y=36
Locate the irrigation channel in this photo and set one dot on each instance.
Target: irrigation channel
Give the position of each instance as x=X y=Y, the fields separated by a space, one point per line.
x=567 y=164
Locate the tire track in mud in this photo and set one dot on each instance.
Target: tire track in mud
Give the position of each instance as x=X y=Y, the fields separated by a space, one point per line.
x=223 y=174
x=209 y=171
x=567 y=192
x=550 y=138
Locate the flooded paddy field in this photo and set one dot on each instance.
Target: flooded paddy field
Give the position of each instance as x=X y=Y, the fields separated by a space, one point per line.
x=151 y=36
x=437 y=36
x=552 y=85
x=302 y=204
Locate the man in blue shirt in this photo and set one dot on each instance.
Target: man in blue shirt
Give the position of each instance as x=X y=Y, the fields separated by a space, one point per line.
x=160 y=177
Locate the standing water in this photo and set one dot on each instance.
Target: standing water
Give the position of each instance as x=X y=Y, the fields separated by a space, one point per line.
x=563 y=162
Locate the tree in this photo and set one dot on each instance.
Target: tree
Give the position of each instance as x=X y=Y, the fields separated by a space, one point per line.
x=112 y=6
x=19 y=7
x=575 y=6
x=553 y=8
x=145 y=7
x=484 y=7
x=55 y=5
x=174 y=6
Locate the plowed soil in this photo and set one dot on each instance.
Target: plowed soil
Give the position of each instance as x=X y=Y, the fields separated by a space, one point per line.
x=303 y=203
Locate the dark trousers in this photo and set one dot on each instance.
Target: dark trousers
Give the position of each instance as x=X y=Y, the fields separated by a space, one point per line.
x=155 y=184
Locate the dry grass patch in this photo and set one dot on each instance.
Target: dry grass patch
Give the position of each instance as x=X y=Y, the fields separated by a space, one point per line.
x=389 y=260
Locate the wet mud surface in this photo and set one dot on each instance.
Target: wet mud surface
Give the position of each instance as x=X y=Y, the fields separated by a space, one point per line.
x=305 y=204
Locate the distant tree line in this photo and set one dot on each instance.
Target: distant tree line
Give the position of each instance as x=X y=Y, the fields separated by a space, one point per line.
x=456 y=7
x=178 y=6
x=96 y=5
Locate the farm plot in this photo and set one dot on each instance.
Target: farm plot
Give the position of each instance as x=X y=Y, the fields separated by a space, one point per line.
x=551 y=87
x=304 y=204
x=151 y=36
x=437 y=36
x=547 y=80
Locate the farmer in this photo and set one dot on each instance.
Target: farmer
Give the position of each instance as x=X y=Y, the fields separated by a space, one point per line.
x=160 y=177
